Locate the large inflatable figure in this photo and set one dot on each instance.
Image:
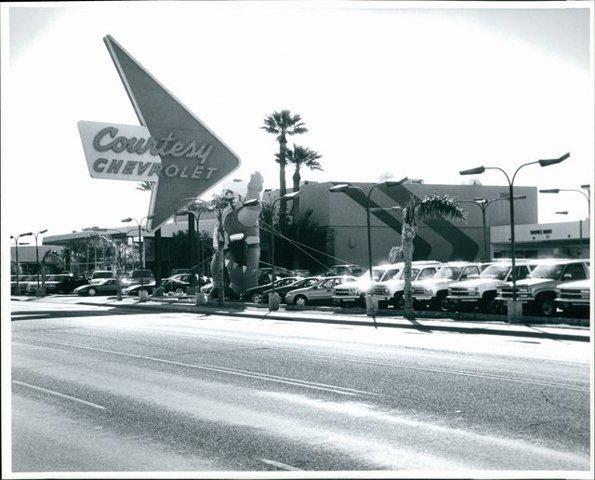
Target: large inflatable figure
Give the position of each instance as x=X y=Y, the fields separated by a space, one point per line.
x=242 y=242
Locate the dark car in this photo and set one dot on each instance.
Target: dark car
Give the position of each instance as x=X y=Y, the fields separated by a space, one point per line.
x=176 y=283
x=136 y=287
x=103 y=286
x=282 y=291
x=254 y=294
x=60 y=283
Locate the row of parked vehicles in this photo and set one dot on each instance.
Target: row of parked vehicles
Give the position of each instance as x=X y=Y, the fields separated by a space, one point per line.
x=544 y=286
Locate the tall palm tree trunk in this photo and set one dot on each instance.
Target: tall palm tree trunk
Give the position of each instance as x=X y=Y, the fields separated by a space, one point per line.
x=296 y=186
x=282 y=182
x=407 y=235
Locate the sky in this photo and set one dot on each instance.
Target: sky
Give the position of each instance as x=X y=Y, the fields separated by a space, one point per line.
x=384 y=89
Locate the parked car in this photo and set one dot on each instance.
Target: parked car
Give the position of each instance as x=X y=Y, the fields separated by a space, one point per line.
x=348 y=269
x=58 y=283
x=538 y=292
x=355 y=292
x=100 y=286
x=481 y=292
x=176 y=283
x=433 y=292
x=318 y=294
x=136 y=287
x=101 y=274
x=254 y=294
x=135 y=276
x=574 y=298
x=282 y=291
x=391 y=291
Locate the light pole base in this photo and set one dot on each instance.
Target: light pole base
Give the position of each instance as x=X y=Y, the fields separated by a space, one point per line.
x=201 y=298
x=371 y=305
x=514 y=311
x=274 y=302
x=143 y=295
x=40 y=292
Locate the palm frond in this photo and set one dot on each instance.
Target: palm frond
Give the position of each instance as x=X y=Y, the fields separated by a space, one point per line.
x=435 y=206
x=304 y=156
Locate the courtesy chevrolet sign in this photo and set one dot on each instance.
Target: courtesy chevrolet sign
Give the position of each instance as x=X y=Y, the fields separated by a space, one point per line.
x=171 y=147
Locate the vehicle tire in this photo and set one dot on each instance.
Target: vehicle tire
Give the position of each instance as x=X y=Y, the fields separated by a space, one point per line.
x=179 y=291
x=489 y=305
x=545 y=307
x=300 y=301
x=256 y=298
x=443 y=304
x=361 y=302
x=92 y=292
x=398 y=301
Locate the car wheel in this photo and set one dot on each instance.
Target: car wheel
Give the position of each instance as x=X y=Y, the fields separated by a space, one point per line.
x=92 y=292
x=179 y=291
x=256 y=298
x=546 y=308
x=300 y=301
x=444 y=304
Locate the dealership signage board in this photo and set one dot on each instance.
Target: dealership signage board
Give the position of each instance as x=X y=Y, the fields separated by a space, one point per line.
x=171 y=148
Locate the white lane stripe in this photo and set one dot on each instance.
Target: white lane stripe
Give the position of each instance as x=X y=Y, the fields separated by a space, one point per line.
x=460 y=372
x=284 y=466
x=37 y=346
x=241 y=373
x=58 y=394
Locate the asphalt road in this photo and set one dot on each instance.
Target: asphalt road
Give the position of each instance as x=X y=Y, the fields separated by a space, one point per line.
x=95 y=389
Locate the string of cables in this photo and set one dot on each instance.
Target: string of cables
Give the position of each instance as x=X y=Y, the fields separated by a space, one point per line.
x=269 y=228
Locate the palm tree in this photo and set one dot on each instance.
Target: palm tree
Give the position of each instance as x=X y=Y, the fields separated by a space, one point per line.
x=145 y=186
x=430 y=207
x=301 y=156
x=283 y=124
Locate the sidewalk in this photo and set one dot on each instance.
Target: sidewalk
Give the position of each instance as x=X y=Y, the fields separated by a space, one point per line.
x=558 y=332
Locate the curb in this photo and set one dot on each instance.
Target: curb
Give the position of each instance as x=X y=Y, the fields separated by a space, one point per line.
x=420 y=327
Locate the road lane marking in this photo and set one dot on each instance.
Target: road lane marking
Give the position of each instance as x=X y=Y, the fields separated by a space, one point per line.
x=458 y=372
x=58 y=394
x=283 y=466
x=237 y=372
x=37 y=346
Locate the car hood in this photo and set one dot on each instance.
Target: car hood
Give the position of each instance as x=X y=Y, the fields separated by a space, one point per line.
x=390 y=283
x=578 y=284
x=433 y=283
x=530 y=282
x=299 y=290
x=476 y=282
x=98 y=281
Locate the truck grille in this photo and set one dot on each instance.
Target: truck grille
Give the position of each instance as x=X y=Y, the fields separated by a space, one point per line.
x=460 y=292
x=419 y=291
x=378 y=290
x=574 y=294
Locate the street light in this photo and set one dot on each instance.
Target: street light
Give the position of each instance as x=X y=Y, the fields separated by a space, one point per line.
x=345 y=187
x=482 y=169
x=142 y=245
x=253 y=202
x=484 y=203
x=16 y=245
x=580 y=229
x=584 y=187
x=37 y=254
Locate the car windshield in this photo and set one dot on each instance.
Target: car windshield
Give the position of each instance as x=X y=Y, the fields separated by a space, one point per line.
x=308 y=282
x=390 y=274
x=498 y=272
x=547 y=271
x=102 y=275
x=450 y=273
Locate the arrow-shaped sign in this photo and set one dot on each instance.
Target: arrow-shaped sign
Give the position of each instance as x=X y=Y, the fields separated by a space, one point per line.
x=193 y=159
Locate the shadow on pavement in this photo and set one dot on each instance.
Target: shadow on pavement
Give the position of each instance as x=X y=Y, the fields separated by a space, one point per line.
x=47 y=314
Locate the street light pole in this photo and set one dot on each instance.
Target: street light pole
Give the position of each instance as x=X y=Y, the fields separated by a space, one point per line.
x=483 y=204
x=284 y=198
x=16 y=242
x=37 y=254
x=141 y=259
x=346 y=187
x=482 y=169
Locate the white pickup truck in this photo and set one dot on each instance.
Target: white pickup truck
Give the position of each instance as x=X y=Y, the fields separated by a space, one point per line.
x=355 y=292
x=391 y=291
x=574 y=298
x=538 y=290
x=433 y=292
x=481 y=291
